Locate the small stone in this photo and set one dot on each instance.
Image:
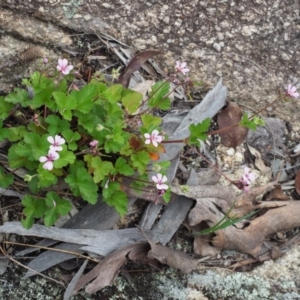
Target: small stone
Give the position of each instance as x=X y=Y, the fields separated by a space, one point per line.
x=247 y=30
x=224 y=24
x=166 y=20
x=106 y=5
x=87 y=17
x=284 y=56
x=230 y=151
x=217 y=47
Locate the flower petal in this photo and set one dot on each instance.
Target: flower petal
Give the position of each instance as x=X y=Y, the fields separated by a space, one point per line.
x=154 y=178
x=50 y=139
x=48 y=165
x=43 y=158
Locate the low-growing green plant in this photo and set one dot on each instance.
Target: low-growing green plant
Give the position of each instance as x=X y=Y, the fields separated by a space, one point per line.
x=85 y=141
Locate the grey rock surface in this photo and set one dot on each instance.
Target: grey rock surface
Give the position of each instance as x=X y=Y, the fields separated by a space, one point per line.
x=253 y=45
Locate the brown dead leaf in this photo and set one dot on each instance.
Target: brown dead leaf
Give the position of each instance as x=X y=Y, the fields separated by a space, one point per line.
x=259 y=163
x=252 y=239
x=135 y=64
x=277 y=194
x=231 y=116
x=245 y=202
x=174 y=258
x=106 y=271
x=297 y=182
x=202 y=243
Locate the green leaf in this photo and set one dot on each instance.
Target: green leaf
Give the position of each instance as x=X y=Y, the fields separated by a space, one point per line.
x=126 y=150
x=39 y=82
x=158 y=92
x=34 y=208
x=5 y=179
x=56 y=207
x=85 y=98
x=140 y=161
x=65 y=104
x=15 y=133
x=71 y=138
x=164 y=104
x=39 y=145
x=5 y=108
x=19 y=96
x=167 y=195
x=22 y=149
x=109 y=188
x=113 y=93
x=45 y=178
x=82 y=183
x=77 y=164
x=3 y=132
x=56 y=124
x=101 y=168
x=115 y=142
x=119 y=201
x=251 y=124
x=122 y=167
x=43 y=97
x=16 y=160
x=115 y=114
x=88 y=121
x=65 y=158
x=149 y=120
x=132 y=101
x=198 y=132
x=33 y=183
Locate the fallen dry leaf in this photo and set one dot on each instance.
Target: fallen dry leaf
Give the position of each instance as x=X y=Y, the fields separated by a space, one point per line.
x=297 y=182
x=231 y=116
x=252 y=238
x=277 y=194
x=259 y=163
x=174 y=258
x=105 y=272
x=135 y=64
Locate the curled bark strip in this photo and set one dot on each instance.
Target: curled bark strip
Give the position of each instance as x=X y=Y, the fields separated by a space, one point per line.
x=135 y=64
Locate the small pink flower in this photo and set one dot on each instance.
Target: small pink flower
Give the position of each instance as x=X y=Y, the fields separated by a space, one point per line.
x=56 y=142
x=94 y=143
x=291 y=91
x=154 y=138
x=159 y=179
x=49 y=159
x=63 y=66
x=45 y=60
x=181 y=67
x=248 y=177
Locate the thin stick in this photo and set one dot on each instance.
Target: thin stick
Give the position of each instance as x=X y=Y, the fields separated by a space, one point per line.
x=29 y=269
x=52 y=249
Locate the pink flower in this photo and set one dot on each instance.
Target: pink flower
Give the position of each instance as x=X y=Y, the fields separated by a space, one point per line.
x=56 y=142
x=291 y=91
x=94 y=143
x=248 y=177
x=154 y=138
x=63 y=66
x=159 y=179
x=246 y=180
x=49 y=159
x=181 y=67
